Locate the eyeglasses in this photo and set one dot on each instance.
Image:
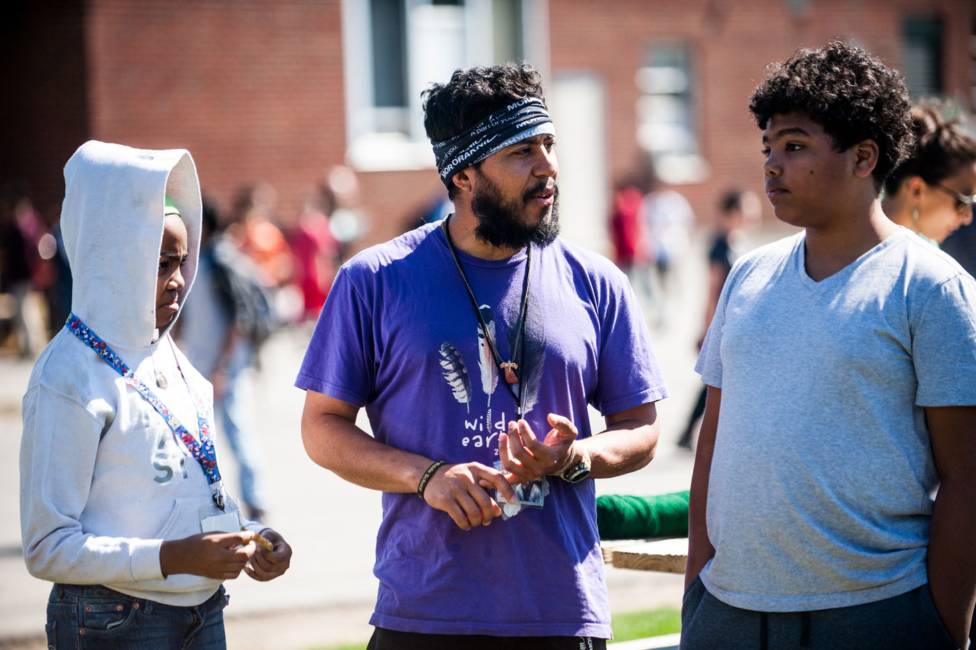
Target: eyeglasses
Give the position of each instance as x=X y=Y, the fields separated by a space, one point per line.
x=963 y=201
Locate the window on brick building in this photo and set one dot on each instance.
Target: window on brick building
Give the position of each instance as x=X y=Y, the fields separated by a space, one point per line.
x=394 y=49
x=923 y=55
x=667 y=125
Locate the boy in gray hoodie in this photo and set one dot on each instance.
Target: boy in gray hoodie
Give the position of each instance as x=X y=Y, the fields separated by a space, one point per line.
x=121 y=501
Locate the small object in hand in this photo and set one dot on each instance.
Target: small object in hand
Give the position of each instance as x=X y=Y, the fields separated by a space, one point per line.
x=529 y=495
x=262 y=542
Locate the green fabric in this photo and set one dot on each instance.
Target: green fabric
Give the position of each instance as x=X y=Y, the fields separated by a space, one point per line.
x=628 y=517
x=170 y=208
x=928 y=240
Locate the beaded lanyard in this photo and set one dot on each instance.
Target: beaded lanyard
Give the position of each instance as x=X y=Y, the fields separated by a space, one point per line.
x=203 y=451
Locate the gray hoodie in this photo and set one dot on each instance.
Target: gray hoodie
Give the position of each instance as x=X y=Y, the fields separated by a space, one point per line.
x=103 y=480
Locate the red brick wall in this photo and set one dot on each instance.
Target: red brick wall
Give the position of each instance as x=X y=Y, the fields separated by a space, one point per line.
x=253 y=88
x=731 y=42
x=43 y=105
x=394 y=201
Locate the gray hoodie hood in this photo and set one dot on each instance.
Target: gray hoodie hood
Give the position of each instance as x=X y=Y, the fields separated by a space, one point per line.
x=112 y=222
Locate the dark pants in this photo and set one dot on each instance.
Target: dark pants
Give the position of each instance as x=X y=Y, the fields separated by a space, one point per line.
x=91 y=616
x=696 y=415
x=905 y=622
x=384 y=639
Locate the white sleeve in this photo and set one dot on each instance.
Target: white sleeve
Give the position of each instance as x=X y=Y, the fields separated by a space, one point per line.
x=57 y=461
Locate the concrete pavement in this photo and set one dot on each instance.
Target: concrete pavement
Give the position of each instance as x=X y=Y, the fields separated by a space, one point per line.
x=327 y=596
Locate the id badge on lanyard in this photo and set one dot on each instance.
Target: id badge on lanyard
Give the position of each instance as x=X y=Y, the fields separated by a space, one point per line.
x=202 y=451
x=213 y=520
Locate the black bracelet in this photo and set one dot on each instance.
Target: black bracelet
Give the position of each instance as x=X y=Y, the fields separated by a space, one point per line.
x=425 y=479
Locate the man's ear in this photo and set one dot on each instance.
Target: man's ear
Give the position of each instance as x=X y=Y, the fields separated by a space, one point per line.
x=866 y=153
x=464 y=179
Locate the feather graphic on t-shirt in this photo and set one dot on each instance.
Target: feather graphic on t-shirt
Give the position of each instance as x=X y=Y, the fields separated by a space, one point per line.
x=486 y=362
x=530 y=368
x=456 y=374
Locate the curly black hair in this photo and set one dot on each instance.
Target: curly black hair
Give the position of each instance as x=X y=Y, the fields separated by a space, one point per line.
x=852 y=94
x=941 y=149
x=473 y=94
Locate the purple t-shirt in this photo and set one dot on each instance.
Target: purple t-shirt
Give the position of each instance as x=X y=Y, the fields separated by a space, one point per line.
x=398 y=335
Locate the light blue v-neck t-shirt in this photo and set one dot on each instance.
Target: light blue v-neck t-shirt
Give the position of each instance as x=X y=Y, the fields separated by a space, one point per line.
x=823 y=481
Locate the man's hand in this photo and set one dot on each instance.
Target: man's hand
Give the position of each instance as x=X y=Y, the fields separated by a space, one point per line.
x=526 y=458
x=268 y=565
x=461 y=491
x=221 y=556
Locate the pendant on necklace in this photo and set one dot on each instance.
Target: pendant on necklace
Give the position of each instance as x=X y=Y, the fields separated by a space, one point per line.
x=508 y=367
x=161 y=380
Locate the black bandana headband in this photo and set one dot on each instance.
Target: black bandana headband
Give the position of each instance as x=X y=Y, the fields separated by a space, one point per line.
x=518 y=121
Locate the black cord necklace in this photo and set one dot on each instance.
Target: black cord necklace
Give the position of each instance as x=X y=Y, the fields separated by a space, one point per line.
x=506 y=368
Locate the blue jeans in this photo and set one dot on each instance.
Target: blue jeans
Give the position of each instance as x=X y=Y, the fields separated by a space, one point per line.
x=92 y=616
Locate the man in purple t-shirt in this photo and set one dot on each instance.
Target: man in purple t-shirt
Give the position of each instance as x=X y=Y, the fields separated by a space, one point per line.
x=476 y=346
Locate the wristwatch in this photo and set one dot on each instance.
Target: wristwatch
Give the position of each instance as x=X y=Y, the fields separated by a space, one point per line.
x=579 y=471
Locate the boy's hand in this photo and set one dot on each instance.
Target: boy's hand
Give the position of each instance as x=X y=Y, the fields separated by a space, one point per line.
x=221 y=556
x=268 y=565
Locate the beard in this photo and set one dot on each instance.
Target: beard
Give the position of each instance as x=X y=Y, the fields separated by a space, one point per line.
x=502 y=222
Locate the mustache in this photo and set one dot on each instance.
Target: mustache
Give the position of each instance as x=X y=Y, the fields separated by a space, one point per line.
x=541 y=188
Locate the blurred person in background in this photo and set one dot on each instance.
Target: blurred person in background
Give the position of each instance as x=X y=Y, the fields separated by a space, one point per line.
x=26 y=247
x=669 y=218
x=347 y=220
x=627 y=228
x=738 y=210
x=931 y=193
x=316 y=252
x=224 y=323
x=254 y=230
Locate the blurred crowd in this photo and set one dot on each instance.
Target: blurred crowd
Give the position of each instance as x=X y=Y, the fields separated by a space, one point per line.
x=650 y=226
x=281 y=266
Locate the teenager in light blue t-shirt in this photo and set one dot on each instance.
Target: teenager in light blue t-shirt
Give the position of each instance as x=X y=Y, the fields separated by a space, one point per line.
x=832 y=502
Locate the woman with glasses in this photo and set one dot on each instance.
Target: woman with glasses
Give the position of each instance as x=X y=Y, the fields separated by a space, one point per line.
x=931 y=193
